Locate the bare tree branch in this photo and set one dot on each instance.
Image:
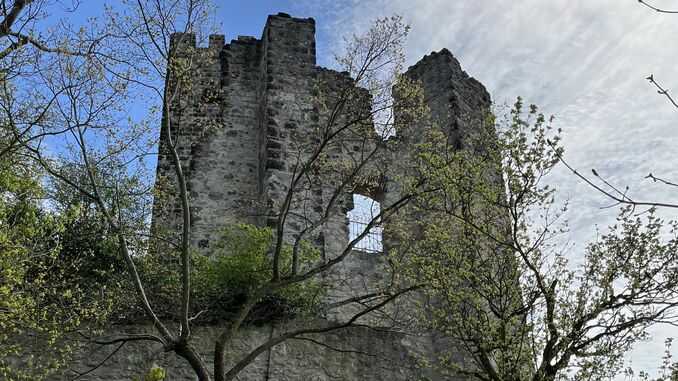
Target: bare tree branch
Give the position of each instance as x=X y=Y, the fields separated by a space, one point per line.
x=233 y=372
x=662 y=91
x=654 y=8
x=623 y=199
x=657 y=179
x=101 y=363
x=10 y=18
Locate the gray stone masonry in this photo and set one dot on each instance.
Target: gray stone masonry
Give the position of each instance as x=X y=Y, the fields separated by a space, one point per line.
x=248 y=117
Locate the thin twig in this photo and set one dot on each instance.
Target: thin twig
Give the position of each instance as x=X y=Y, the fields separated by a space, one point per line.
x=102 y=362
x=656 y=9
x=661 y=90
x=325 y=345
x=657 y=179
x=622 y=200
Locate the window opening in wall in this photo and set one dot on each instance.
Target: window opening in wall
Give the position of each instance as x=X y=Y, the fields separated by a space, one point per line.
x=364 y=211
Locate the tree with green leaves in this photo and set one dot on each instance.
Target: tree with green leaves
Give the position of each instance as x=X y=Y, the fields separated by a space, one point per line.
x=44 y=293
x=500 y=286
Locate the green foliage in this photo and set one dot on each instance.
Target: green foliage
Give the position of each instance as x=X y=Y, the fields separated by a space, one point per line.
x=240 y=260
x=462 y=250
x=39 y=300
x=499 y=286
x=244 y=252
x=88 y=248
x=237 y=268
x=156 y=373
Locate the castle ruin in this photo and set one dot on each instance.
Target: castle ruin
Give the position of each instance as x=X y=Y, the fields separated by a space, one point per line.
x=250 y=115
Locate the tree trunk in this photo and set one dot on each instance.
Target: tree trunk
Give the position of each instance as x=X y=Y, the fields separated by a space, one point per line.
x=189 y=353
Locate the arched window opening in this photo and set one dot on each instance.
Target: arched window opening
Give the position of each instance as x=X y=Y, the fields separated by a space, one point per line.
x=364 y=211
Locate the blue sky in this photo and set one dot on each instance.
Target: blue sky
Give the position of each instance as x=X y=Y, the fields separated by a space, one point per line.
x=583 y=61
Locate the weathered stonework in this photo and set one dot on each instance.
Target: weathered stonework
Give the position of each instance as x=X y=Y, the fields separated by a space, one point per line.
x=351 y=354
x=249 y=116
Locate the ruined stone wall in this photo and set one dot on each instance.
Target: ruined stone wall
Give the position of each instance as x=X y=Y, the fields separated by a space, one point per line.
x=358 y=353
x=234 y=124
x=249 y=114
x=458 y=103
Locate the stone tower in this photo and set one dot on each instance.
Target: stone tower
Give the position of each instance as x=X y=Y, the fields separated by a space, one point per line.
x=240 y=128
x=252 y=103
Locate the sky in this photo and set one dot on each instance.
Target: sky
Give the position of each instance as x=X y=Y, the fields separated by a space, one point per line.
x=583 y=61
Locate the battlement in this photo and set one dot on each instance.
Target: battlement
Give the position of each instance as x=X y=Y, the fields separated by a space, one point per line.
x=216 y=41
x=281 y=22
x=283 y=15
x=187 y=42
x=456 y=100
x=180 y=42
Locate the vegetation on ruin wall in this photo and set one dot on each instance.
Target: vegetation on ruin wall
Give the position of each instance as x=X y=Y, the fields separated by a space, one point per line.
x=154 y=374
x=238 y=265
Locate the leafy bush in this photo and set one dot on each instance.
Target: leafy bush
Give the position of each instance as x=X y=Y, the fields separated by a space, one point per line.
x=156 y=373
x=88 y=248
x=222 y=281
x=40 y=297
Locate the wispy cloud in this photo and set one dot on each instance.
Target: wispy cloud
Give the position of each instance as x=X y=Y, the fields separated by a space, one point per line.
x=583 y=61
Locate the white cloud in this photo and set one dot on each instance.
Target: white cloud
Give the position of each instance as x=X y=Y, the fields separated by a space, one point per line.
x=584 y=61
